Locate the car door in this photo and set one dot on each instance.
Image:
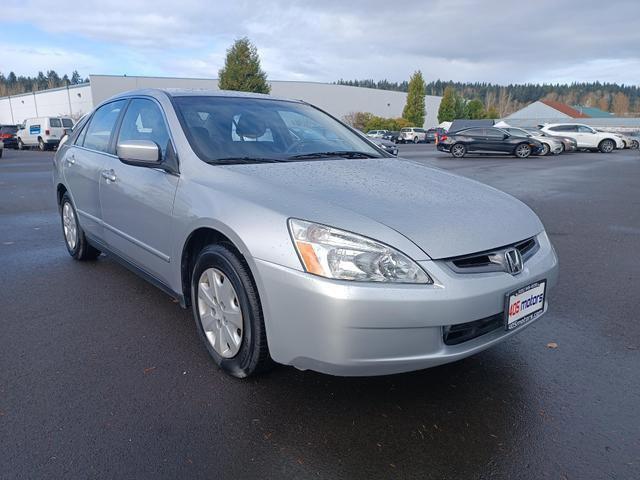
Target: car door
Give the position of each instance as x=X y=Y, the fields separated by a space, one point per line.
x=496 y=142
x=83 y=163
x=474 y=139
x=586 y=137
x=137 y=201
x=570 y=131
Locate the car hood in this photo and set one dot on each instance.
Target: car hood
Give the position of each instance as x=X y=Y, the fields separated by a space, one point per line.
x=443 y=214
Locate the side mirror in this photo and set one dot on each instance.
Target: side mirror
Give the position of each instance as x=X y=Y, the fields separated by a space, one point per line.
x=505 y=136
x=140 y=153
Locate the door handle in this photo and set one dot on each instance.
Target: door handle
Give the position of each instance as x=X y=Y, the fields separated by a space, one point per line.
x=71 y=159
x=109 y=175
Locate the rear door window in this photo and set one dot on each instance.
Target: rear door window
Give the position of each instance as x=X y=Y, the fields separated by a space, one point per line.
x=67 y=123
x=55 y=123
x=98 y=133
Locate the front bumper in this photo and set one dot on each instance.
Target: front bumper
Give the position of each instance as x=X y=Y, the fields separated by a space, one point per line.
x=348 y=328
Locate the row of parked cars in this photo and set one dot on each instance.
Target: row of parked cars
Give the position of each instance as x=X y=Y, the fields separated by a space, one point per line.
x=407 y=135
x=543 y=140
x=43 y=133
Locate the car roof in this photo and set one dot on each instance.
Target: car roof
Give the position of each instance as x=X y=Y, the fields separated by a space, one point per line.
x=198 y=92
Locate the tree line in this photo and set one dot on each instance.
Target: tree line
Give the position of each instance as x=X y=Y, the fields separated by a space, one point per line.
x=505 y=99
x=13 y=84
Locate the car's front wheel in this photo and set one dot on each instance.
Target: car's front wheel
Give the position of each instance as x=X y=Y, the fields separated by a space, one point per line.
x=522 y=151
x=606 y=146
x=416 y=139
x=228 y=313
x=20 y=144
x=458 y=150
x=74 y=237
x=545 y=149
x=634 y=144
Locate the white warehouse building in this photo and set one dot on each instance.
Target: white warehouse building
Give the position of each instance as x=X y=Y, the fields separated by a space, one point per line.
x=76 y=100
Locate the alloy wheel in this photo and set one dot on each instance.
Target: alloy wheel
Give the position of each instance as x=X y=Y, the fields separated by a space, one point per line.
x=458 y=150
x=545 y=149
x=70 y=226
x=607 y=146
x=523 y=151
x=220 y=312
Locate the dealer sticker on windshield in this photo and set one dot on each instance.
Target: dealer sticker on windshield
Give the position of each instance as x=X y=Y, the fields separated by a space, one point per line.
x=525 y=304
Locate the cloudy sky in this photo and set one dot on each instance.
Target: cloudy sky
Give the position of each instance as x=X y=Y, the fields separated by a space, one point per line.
x=466 y=40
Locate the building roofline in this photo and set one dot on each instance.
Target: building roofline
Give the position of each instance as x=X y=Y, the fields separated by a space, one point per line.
x=56 y=89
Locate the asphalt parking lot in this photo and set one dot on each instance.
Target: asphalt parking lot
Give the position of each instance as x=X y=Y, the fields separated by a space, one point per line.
x=103 y=376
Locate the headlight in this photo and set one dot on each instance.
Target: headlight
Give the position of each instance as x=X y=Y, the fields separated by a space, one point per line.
x=333 y=253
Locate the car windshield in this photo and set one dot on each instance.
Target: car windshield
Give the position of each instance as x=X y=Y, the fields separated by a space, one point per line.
x=244 y=130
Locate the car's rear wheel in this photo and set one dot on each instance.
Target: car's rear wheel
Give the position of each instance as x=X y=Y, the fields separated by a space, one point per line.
x=545 y=149
x=458 y=150
x=41 y=145
x=606 y=146
x=228 y=313
x=415 y=140
x=74 y=237
x=522 y=151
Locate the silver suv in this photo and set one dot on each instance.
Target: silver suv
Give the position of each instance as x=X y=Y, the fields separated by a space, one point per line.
x=294 y=239
x=412 y=135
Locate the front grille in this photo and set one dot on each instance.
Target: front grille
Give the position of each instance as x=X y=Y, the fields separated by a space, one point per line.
x=492 y=261
x=463 y=332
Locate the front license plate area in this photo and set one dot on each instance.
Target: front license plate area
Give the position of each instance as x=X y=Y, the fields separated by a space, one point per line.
x=525 y=304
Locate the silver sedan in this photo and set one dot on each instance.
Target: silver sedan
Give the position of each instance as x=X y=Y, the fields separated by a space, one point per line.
x=295 y=240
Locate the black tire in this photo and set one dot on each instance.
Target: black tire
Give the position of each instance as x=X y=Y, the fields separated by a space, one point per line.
x=1 y=151
x=458 y=150
x=253 y=355
x=20 y=144
x=82 y=250
x=521 y=152
x=562 y=148
x=41 y=145
x=607 y=146
x=634 y=145
x=416 y=140
x=545 y=149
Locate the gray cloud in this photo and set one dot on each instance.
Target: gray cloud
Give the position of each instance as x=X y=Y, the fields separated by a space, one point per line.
x=501 y=41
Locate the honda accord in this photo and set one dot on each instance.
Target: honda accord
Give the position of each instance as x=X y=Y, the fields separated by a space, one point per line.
x=317 y=250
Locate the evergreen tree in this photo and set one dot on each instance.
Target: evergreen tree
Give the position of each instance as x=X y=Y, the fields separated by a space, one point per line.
x=475 y=109
x=75 y=78
x=414 y=108
x=447 y=110
x=242 y=69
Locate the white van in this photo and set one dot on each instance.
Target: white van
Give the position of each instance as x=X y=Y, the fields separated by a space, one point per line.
x=42 y=132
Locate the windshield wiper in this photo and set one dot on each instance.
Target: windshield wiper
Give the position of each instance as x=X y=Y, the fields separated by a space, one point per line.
x=336 y=153
x=236 y=160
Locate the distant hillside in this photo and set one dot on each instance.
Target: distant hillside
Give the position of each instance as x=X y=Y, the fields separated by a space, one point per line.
x=11 y=84
x=619 y=99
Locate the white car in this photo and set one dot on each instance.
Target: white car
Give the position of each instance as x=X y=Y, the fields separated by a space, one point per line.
x=588 y=138
x=549 y=144
x=43 y=132
x=376 y=133
x=412 y=134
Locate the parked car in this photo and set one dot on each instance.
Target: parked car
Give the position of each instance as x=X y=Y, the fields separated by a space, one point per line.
x=431 y=135
x=376 y=133
x=8 y=135
x=488 y=140
x=387 y=145
x=627 y=141
x=412 y=135
x=586 y=137
x=391 y=136
x=568 y=143
x=326 y=254
x=42 y=132
x=549 y=144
